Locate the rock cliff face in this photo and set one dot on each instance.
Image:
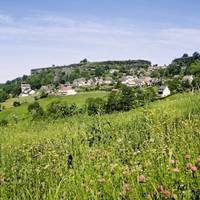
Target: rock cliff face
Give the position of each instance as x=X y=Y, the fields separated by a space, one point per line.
x=67 y=68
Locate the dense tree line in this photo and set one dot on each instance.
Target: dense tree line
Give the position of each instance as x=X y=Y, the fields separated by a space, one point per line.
x=121 y=100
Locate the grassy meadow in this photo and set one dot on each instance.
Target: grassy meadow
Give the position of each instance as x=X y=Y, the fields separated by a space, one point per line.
x=21 y=111
x=147 y=153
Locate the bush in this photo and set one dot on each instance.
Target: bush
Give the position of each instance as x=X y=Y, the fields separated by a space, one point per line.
x=60 y=110
x=73 y=109
x=43 y=95
x=120 y=101
x=95 y=106
x=113 y=102
x=3 y=96
x=36 y=110
x=3 y=122
x=36 y=98
x=127 y=97
x=16 y=103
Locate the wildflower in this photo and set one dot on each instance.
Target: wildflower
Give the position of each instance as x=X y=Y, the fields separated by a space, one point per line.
x=149 y=196
x=167 y=194
x=113 y=168
x=193 y=168
x=189 y=165
x=101 y=180
x=99 y=194
x=126 y=188
x=187 y=157
x=160 y=188
x=141 y=179
x=46 y=166
x=176 y=170
x=119 y=140
x=126 y=171
x=172 y=162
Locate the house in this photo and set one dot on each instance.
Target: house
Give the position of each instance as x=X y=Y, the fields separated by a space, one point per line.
x=80 y=82
x=163 y=91
x=90 y=82
x=115 y=90
x=108 y=80
x=148 y=80
x=26 y=90
x=128 y=80
x=112 y=71
x=99 y=81
x=65 y=90
x=152 y=68
x=139 y=82
x=188 y=78
x=95 y=81
x=156 y=80
x=47 y=89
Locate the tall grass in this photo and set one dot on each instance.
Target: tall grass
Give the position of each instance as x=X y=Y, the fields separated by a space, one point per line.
x=109 y=154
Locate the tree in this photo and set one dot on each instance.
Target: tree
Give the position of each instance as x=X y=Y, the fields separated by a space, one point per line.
x=3 y=96
x=196 y=83
x=16 y=103
x=121 y=100
x=57 y=109
x=99 y=71
x=95 y=106
x=35 y=110
x=84 y=61
x=155 y=74
x=113 y=102
x=195 y=68
x=196 y=55
x=174 y=69
x=127 y=98
x=175 y=85
x=186 y=85
x=185 y=55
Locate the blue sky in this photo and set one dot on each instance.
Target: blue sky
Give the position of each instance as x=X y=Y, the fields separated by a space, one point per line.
x=39 y=33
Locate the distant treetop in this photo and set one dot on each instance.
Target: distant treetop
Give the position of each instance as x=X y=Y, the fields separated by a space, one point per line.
x=84 y=60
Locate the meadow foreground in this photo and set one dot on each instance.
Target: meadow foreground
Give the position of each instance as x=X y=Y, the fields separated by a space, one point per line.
x=151 y=152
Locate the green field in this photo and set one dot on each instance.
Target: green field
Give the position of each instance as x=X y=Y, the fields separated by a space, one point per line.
x=108 y=153
x=21 y=111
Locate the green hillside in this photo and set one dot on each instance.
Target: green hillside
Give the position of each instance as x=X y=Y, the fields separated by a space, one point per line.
x=143 y=153
x=21 y=111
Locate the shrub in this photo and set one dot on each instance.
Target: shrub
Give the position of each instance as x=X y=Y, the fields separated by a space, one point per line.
x=3 y=122
x=73 y=109
x=3 y=96
x=59 y=110
x=36 y=110
x=113 y=102
x=120 y=101
x=16 y=103
x=127 y=97
x=36 y=98
x=95 y=106
x=43 y=95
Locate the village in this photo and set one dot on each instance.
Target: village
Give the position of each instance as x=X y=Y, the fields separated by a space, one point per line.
x=134 y=81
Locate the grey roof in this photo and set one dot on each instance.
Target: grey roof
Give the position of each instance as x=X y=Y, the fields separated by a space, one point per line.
x=162 y=88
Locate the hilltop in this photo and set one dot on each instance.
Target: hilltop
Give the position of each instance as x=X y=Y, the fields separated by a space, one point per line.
x=85 y=64
x=90 y=76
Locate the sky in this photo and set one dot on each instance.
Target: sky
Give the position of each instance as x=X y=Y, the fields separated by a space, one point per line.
x=42 y=33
